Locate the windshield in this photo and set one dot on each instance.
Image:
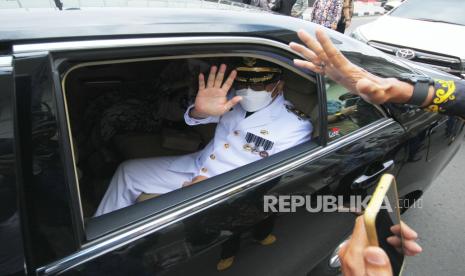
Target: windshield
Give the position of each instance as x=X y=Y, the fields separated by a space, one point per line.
x=447 y=11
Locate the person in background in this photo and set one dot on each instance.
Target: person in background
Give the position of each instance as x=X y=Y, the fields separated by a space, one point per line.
x=346 y=16
x=283 y=7
x=299 y=8
x=258 y=3
x=327 y=13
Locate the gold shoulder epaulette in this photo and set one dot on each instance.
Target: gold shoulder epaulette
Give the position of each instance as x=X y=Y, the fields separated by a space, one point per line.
x=298 y=113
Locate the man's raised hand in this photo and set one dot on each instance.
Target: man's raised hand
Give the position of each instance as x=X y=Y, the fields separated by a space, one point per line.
x=324 y=58
x=212 y=98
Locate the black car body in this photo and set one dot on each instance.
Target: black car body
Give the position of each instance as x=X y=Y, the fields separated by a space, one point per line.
x=43 y=218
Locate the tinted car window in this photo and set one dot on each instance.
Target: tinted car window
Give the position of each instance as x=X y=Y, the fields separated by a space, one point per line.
x=450 y=11
x=347 y=112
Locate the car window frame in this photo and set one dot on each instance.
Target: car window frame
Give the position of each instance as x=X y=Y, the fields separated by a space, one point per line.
x=169 y=57
x=125 y=43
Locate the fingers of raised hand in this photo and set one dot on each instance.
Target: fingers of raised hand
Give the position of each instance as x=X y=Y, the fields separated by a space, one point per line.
x=220 y=76
x=201 y=81
x=211 y=76
x=333 y=55
x=229 y=104
x=313 y=45
x=307 y=53
x=309 y=65
x=229 y=81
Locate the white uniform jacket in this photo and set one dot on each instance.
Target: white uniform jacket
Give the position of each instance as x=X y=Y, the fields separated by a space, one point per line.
x=239 y=140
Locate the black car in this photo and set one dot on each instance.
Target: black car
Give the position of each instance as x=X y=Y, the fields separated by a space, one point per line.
x=83 y=90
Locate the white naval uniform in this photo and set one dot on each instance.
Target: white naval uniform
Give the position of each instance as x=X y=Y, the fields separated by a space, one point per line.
x=228 y=150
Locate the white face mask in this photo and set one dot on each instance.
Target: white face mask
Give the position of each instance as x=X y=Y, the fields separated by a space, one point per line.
x=254 y=100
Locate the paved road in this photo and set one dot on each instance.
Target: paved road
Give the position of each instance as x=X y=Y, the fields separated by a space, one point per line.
x=440 y=222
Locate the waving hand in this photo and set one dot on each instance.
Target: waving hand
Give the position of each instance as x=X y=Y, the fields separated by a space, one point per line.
x=211 y=99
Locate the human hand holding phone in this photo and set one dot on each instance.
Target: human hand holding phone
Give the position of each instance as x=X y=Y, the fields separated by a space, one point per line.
x=410 y=246
x=380 y=240
x=358 y=258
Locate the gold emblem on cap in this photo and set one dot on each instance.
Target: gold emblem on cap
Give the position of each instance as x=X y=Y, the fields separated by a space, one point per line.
x=249 y=61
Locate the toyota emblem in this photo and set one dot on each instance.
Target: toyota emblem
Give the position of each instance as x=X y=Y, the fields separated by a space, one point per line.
x=405 y=53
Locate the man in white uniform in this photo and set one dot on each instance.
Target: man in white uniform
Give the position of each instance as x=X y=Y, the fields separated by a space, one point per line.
x=262 y=124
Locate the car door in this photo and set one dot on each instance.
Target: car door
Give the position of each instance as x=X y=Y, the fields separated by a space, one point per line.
x=48 y=224
x=11 y=250
x=189 y=231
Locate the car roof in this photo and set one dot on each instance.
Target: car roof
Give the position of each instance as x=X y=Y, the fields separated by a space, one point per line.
x=21 y=25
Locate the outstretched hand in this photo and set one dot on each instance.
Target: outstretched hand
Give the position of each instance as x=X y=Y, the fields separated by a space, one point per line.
x=211 y=98
x=324 y=58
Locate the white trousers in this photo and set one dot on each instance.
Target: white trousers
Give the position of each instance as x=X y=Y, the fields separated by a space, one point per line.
x=133 y=177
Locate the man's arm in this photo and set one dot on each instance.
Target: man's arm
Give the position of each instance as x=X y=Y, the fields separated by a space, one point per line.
x=445 y=96
x=192 y=119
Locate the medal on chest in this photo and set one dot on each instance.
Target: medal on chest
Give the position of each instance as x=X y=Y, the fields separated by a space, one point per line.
x=257 y=145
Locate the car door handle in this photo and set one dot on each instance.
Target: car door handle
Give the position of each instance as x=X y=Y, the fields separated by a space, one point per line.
x=364 y=181
x=436 y=126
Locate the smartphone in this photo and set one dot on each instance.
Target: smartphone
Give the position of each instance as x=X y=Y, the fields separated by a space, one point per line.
x=381 y=213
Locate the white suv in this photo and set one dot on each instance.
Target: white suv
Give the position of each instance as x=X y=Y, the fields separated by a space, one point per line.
x=426 y=31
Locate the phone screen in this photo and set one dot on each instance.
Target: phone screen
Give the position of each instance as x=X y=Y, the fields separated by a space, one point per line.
x=388 y=216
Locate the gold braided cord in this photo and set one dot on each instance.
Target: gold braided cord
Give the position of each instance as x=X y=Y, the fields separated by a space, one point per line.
x=258 y=69
x=256 y=79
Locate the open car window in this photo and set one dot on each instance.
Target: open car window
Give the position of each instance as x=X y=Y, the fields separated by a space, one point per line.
x=347 y=112
x=130 y=116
